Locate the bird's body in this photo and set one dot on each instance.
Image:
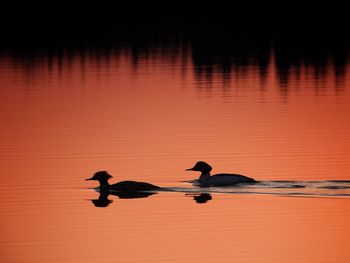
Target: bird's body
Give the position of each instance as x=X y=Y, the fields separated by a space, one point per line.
x=123 y=186
x=132 y=186
x=223 y=179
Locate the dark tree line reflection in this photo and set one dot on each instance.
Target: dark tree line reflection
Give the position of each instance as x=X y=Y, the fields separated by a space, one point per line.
x=220 y=39
x=226 y=57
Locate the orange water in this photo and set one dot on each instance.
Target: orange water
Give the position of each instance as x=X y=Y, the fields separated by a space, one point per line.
x=64 y=119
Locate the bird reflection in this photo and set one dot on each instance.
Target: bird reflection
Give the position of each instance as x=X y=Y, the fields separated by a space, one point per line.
x=103 y=200
x=200 y=198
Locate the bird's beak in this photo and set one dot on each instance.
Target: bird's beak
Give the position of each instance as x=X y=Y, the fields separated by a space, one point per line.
x=88 y=179
x=190 y=169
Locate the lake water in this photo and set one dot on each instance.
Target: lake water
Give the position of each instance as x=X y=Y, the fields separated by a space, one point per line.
x=149 y=116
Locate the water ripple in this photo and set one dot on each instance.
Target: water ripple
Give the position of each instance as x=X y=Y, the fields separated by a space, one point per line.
x=333 y=188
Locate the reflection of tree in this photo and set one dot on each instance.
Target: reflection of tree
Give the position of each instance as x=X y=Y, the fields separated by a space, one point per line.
x=225 y=58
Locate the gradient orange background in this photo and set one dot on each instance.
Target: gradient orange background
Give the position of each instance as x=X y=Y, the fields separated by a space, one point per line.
x=149 y=122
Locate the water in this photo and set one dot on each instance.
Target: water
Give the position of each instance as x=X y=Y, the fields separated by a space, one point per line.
x=280 y=188
x=149 y=115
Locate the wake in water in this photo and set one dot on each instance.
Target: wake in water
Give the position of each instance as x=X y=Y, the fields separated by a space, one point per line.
x=331 y=188
x=334 y=189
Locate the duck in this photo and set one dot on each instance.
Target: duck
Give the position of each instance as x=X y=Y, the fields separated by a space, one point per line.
x=123 y=186
x=206 y=179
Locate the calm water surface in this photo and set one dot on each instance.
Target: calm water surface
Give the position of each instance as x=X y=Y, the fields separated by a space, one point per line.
x=65 y=117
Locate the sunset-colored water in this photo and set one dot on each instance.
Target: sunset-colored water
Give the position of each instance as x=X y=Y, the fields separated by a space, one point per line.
x=66 y=117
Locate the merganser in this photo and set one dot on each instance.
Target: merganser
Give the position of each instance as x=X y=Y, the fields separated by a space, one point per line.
x=206 y=179
x=123 y=186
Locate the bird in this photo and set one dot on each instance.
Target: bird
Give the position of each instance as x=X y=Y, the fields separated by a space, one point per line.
x=123 y=186
x=205 y=179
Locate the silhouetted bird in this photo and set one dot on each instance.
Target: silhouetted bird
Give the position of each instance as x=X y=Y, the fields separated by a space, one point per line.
x=123 y=186
x=206 y=179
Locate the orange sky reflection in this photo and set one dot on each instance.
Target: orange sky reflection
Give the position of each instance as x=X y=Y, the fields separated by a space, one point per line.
x=149 y=122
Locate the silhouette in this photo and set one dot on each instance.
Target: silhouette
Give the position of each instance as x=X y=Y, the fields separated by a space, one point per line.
x=227 y=59
x=218 y=39
x=123 y=189
x=201 y=198
x=206 y=179
x=126 y=187
x=103 y=200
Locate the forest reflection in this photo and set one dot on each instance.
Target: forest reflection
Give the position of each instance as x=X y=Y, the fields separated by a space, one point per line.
x=225 y=61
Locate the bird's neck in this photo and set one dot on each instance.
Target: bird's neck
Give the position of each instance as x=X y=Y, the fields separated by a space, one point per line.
x=204 y=176
x=104 y=184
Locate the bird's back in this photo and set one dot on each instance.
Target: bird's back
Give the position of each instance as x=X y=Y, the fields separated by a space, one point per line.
x=133 y=186
x=229 y=179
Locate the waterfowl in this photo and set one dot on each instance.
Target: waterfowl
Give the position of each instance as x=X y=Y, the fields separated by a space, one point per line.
x=206 y=179
x=123 y=186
